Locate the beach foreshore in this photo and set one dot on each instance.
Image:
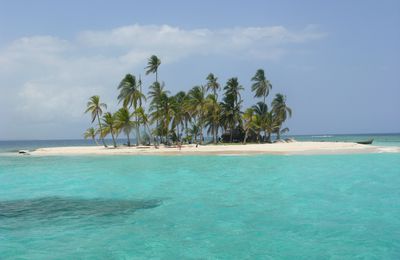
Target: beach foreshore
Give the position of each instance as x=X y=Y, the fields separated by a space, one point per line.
x=221 y=149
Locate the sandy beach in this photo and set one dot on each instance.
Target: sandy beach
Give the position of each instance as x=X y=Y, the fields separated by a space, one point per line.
x=248 y=149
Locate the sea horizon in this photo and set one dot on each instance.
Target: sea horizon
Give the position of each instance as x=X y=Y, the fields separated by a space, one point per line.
x=380 y=139
x=285 y=135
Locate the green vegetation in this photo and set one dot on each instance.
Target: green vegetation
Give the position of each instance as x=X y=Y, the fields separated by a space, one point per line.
x=91 y=133
x=96 y=109
x=184 y=117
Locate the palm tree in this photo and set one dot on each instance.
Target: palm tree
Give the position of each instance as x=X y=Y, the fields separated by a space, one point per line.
x=140 y=90
x=271 y=125
x=281 y=111
x=123 y=122
x=230 y=115
x=248 y=122
x=261 y=110
x=91 y=133
x=213 y=115
x=130 y=92
x=194 y=131
x=157 y=93
x=178 y=102
x=187 y=116
x=144 y=119
x=167 y=113
x=196 y=105
x=261 y=85
x=131 y=95
x=231 y=105
x=233 y=89
x=109 y=126
x=152 y=66
x=95 y=107
x=212 y=84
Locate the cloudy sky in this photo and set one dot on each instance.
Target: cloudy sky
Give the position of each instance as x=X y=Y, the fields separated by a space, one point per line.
x=338 y=62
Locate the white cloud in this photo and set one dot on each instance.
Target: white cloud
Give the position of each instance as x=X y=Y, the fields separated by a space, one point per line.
x=45 y=78
x=173 y=41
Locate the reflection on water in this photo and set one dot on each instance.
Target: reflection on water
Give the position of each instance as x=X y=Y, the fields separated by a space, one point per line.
x=55 y=207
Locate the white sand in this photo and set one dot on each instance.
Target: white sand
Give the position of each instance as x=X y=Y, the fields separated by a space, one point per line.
x=277 y=148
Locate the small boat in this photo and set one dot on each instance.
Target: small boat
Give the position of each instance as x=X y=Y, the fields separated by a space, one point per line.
x=24 y=152
x=366 y=142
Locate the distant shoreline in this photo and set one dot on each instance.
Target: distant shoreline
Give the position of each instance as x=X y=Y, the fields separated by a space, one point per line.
x=306 y=148
x=285 y=136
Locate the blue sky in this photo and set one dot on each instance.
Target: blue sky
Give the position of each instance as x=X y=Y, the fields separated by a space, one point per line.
x=338 y=62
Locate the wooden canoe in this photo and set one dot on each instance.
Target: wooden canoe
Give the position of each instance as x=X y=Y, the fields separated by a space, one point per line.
x=366 y=142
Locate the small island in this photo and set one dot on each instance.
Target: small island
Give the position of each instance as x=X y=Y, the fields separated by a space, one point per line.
x=175 y=124
x=183 y=117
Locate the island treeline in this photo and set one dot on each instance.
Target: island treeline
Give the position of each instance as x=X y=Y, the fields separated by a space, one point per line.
x=186 y=116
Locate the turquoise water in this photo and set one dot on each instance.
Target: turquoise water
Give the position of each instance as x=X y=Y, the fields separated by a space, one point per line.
x=206 y=207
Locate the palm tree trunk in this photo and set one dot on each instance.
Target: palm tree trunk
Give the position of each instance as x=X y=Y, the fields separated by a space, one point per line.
x=195 y=133
x=157 y=128
x=278 y=134
x=214 y=128
x=186 y=129
x=201 y=135
x=231 y=137
x=177 y=131
x=269 y=137
x=138 y=135
x=245 y=136
x=101 y=130
x=94 y=140
x=129 y=140
x=151 y=136
x=265 y=138
x=214 y=134
x=112 y=135
x=137 y=132
x=166 y=131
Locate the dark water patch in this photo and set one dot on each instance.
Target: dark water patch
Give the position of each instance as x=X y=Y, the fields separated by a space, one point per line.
x=60 y=207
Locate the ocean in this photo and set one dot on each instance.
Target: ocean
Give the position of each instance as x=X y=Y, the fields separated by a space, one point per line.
x=200 y=207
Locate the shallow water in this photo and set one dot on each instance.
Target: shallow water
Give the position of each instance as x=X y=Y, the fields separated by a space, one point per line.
x=206 y=207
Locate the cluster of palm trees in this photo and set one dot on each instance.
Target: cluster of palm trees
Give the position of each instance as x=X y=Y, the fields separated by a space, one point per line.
x=184 y=117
